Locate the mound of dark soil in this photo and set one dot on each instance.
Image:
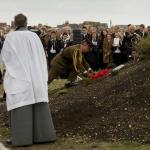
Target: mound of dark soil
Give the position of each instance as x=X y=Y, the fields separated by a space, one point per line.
x=112 y=108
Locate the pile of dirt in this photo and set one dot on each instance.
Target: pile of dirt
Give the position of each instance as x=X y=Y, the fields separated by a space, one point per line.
x=111 y=109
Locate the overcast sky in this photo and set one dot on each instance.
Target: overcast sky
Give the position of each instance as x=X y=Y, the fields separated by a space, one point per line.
x=53 y=12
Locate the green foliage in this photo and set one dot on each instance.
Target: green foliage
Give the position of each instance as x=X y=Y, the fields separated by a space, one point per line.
x=111 y=65
x=4 y=132
x=143 y=48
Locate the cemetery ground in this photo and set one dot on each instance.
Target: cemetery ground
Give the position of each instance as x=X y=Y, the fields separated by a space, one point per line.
x=110 y=113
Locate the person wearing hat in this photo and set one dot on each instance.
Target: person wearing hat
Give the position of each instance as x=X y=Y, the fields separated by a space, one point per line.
x=70 y=62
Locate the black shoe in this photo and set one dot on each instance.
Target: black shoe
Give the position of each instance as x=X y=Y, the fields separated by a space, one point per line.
x=7 y=142
x=70 y=84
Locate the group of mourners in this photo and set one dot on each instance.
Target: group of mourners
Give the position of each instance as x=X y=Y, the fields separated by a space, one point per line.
x=110 y=45
x=33 y=58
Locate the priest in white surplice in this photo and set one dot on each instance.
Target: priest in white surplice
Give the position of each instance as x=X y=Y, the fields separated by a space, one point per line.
x=25 y=84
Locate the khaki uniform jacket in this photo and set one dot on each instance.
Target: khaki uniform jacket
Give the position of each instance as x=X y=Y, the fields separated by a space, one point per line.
x=64 y=60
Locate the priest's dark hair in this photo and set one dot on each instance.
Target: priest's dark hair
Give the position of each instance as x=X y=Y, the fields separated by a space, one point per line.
x=20 y=20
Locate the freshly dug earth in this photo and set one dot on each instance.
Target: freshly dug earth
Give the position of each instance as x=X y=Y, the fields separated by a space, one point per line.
x=114 y=108
x=109 y=109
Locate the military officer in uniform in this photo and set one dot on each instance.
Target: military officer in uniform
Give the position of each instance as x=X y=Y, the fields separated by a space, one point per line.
x=70 y=62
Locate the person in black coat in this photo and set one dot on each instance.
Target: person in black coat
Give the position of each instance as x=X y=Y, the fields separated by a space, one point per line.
x=94 y=57
x=127 y=43
x=141 y=31
x=66 y=42
x=84 y=33
x=54 y=47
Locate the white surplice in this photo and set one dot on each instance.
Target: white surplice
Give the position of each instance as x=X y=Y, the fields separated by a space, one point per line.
x=26 y=77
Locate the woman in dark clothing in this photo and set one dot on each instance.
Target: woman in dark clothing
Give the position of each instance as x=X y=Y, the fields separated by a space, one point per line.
x=54 y=47
x=93 y=57
x=100 y=47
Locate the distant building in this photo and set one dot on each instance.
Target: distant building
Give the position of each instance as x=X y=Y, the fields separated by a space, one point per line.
x=12 y=24
x=124 y=27
x=104 y=25
x=95 y=24
x=92 y=23
x=3 y=24
x=73 y=26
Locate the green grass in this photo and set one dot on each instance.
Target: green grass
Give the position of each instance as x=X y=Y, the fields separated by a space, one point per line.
x=56 y=84
x=77 y=143
x=63 y=91
x=4 y=132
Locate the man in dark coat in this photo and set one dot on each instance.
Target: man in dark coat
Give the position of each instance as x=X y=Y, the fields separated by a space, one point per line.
x=141 y=31
x=54 y=47
x=127 y=43
x=85 y=33
x=66 y=42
